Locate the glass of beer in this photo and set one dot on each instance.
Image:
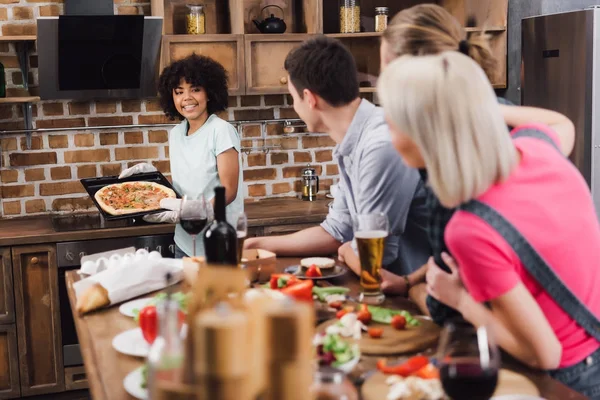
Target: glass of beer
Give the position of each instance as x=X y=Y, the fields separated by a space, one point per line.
x=370 y=232
x=242 y=231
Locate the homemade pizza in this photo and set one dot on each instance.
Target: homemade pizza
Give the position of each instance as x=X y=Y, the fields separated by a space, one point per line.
x=132 y=197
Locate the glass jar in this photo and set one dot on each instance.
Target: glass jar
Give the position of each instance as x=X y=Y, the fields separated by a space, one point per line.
x=349 y=16
x=332 y=384
x=195 y=19
x=381 y=18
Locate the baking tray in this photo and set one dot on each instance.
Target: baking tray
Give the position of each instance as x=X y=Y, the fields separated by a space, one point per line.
x=92 y=185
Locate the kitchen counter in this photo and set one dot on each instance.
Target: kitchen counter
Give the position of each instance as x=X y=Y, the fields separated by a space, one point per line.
x=39 y=229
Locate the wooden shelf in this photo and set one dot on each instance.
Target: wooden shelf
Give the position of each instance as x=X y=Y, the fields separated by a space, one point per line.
x=24 y=38
x=20 y=99
x=490 y=29
x=354 y=35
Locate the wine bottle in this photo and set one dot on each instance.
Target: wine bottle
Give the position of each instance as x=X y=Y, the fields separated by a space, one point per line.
x=220 y=239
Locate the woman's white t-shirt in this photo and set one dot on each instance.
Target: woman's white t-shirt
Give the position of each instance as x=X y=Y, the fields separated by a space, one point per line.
x=194 y=169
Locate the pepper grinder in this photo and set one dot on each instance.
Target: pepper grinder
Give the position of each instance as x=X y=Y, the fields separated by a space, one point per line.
x=310 y=183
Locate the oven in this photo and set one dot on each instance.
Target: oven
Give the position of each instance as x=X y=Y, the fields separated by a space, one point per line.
x=68 y=258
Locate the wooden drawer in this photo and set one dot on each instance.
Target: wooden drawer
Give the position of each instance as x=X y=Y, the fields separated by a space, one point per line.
x=75 y=378
x=9 y=363
x=7 y=309
x=265 y=56
x=37 y=315
x=228 y=50
x=286 y=229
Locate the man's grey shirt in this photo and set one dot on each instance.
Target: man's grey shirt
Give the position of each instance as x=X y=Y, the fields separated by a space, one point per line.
x=373 y=178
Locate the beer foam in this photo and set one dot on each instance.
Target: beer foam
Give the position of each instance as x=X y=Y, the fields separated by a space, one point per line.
x=370 y=234
x=240 y=234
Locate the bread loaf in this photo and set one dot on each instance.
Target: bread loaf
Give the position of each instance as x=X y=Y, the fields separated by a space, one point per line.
x=93 y=298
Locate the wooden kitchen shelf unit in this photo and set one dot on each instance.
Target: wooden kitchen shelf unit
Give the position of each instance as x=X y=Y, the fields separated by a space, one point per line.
x=258 y=68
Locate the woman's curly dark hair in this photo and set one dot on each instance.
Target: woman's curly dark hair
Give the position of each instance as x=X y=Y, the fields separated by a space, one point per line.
x=197 y=71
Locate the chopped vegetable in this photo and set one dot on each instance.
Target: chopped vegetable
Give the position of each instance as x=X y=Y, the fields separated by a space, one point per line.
x=375 y=333
x=336 y=304
x=144 y=381
x=301 y=290
x=428 y=372
x=333 y=350
x=341 y=313
x=398 y=322
x=149 y=323
x=364 y=315
x=279 y=281
x=347 y=326
x=409 y=367
x=385 y=315
x=323 y=292
x=314 y=272
x=180 y=297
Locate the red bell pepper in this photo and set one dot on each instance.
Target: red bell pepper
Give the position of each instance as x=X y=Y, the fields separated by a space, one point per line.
x=148 y=320
x=301 y=291
x=428 y=372
x=411 y=366
x=287 y=278
x=149 y=323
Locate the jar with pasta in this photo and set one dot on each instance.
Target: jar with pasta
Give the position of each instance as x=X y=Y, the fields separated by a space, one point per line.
x=195 y=20
x=381 y=18
x=349 y=16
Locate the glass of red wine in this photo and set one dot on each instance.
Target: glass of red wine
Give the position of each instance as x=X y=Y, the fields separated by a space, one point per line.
x=469 y=361
x=193 y=217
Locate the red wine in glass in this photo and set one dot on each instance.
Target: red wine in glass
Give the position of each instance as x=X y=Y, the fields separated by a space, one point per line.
x=193 y=226
x=467 y=379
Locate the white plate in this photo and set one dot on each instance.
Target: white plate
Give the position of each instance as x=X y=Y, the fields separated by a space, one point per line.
x=127 y=308
x=132 y=384
x=517 y=397
x=132 y=343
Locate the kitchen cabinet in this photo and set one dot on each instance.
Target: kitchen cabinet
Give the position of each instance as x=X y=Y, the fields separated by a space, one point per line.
x=9 y=363
x=265 y=56
x=37 y=317
x=7 y=310
x=228 y=50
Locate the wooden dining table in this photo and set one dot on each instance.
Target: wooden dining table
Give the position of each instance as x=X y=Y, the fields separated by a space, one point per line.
x=106 y=368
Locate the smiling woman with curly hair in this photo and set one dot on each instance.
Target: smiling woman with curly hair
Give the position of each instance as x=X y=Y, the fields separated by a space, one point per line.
x=204 y=149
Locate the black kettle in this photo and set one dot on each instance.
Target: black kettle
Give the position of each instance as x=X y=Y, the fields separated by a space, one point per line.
x=271 y=24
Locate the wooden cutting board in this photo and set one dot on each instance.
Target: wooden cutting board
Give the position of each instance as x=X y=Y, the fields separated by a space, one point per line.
x=509 y=383
x=393 y=341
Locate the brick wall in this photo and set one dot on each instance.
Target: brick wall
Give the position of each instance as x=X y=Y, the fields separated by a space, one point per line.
x=45 y=178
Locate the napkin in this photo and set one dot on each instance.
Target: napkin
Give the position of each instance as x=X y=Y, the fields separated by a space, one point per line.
x=125 y=281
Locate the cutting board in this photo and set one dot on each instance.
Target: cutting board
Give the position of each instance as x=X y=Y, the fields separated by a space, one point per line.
x=393 y=341
x=509 y=383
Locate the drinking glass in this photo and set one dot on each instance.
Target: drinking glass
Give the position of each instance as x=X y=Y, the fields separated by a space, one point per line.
x=469 y=361
x=370 y=232
x=242 y=232
x=332 y=384
x=193 y=217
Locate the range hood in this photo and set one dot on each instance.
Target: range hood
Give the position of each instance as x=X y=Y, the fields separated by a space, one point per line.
x=89 y=53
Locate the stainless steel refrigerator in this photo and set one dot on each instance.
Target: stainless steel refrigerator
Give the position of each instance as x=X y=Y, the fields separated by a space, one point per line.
x=561 y=72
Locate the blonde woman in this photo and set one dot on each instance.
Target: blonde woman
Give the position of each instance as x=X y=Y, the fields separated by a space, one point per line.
x=428 y=29
x=449 y=122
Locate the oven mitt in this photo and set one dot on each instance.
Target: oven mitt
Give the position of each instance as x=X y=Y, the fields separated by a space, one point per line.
x=166 y=217
x=138 y=169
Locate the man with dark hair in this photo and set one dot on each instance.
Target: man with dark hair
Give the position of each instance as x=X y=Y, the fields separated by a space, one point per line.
x=324 y=86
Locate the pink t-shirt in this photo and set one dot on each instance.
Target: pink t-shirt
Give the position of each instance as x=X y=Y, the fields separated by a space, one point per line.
x=549 y=202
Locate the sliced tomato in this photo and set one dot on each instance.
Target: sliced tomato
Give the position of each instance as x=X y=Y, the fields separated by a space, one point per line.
x=398 y=322
x=364 y=315
x=375 y=333
x=314 y=272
